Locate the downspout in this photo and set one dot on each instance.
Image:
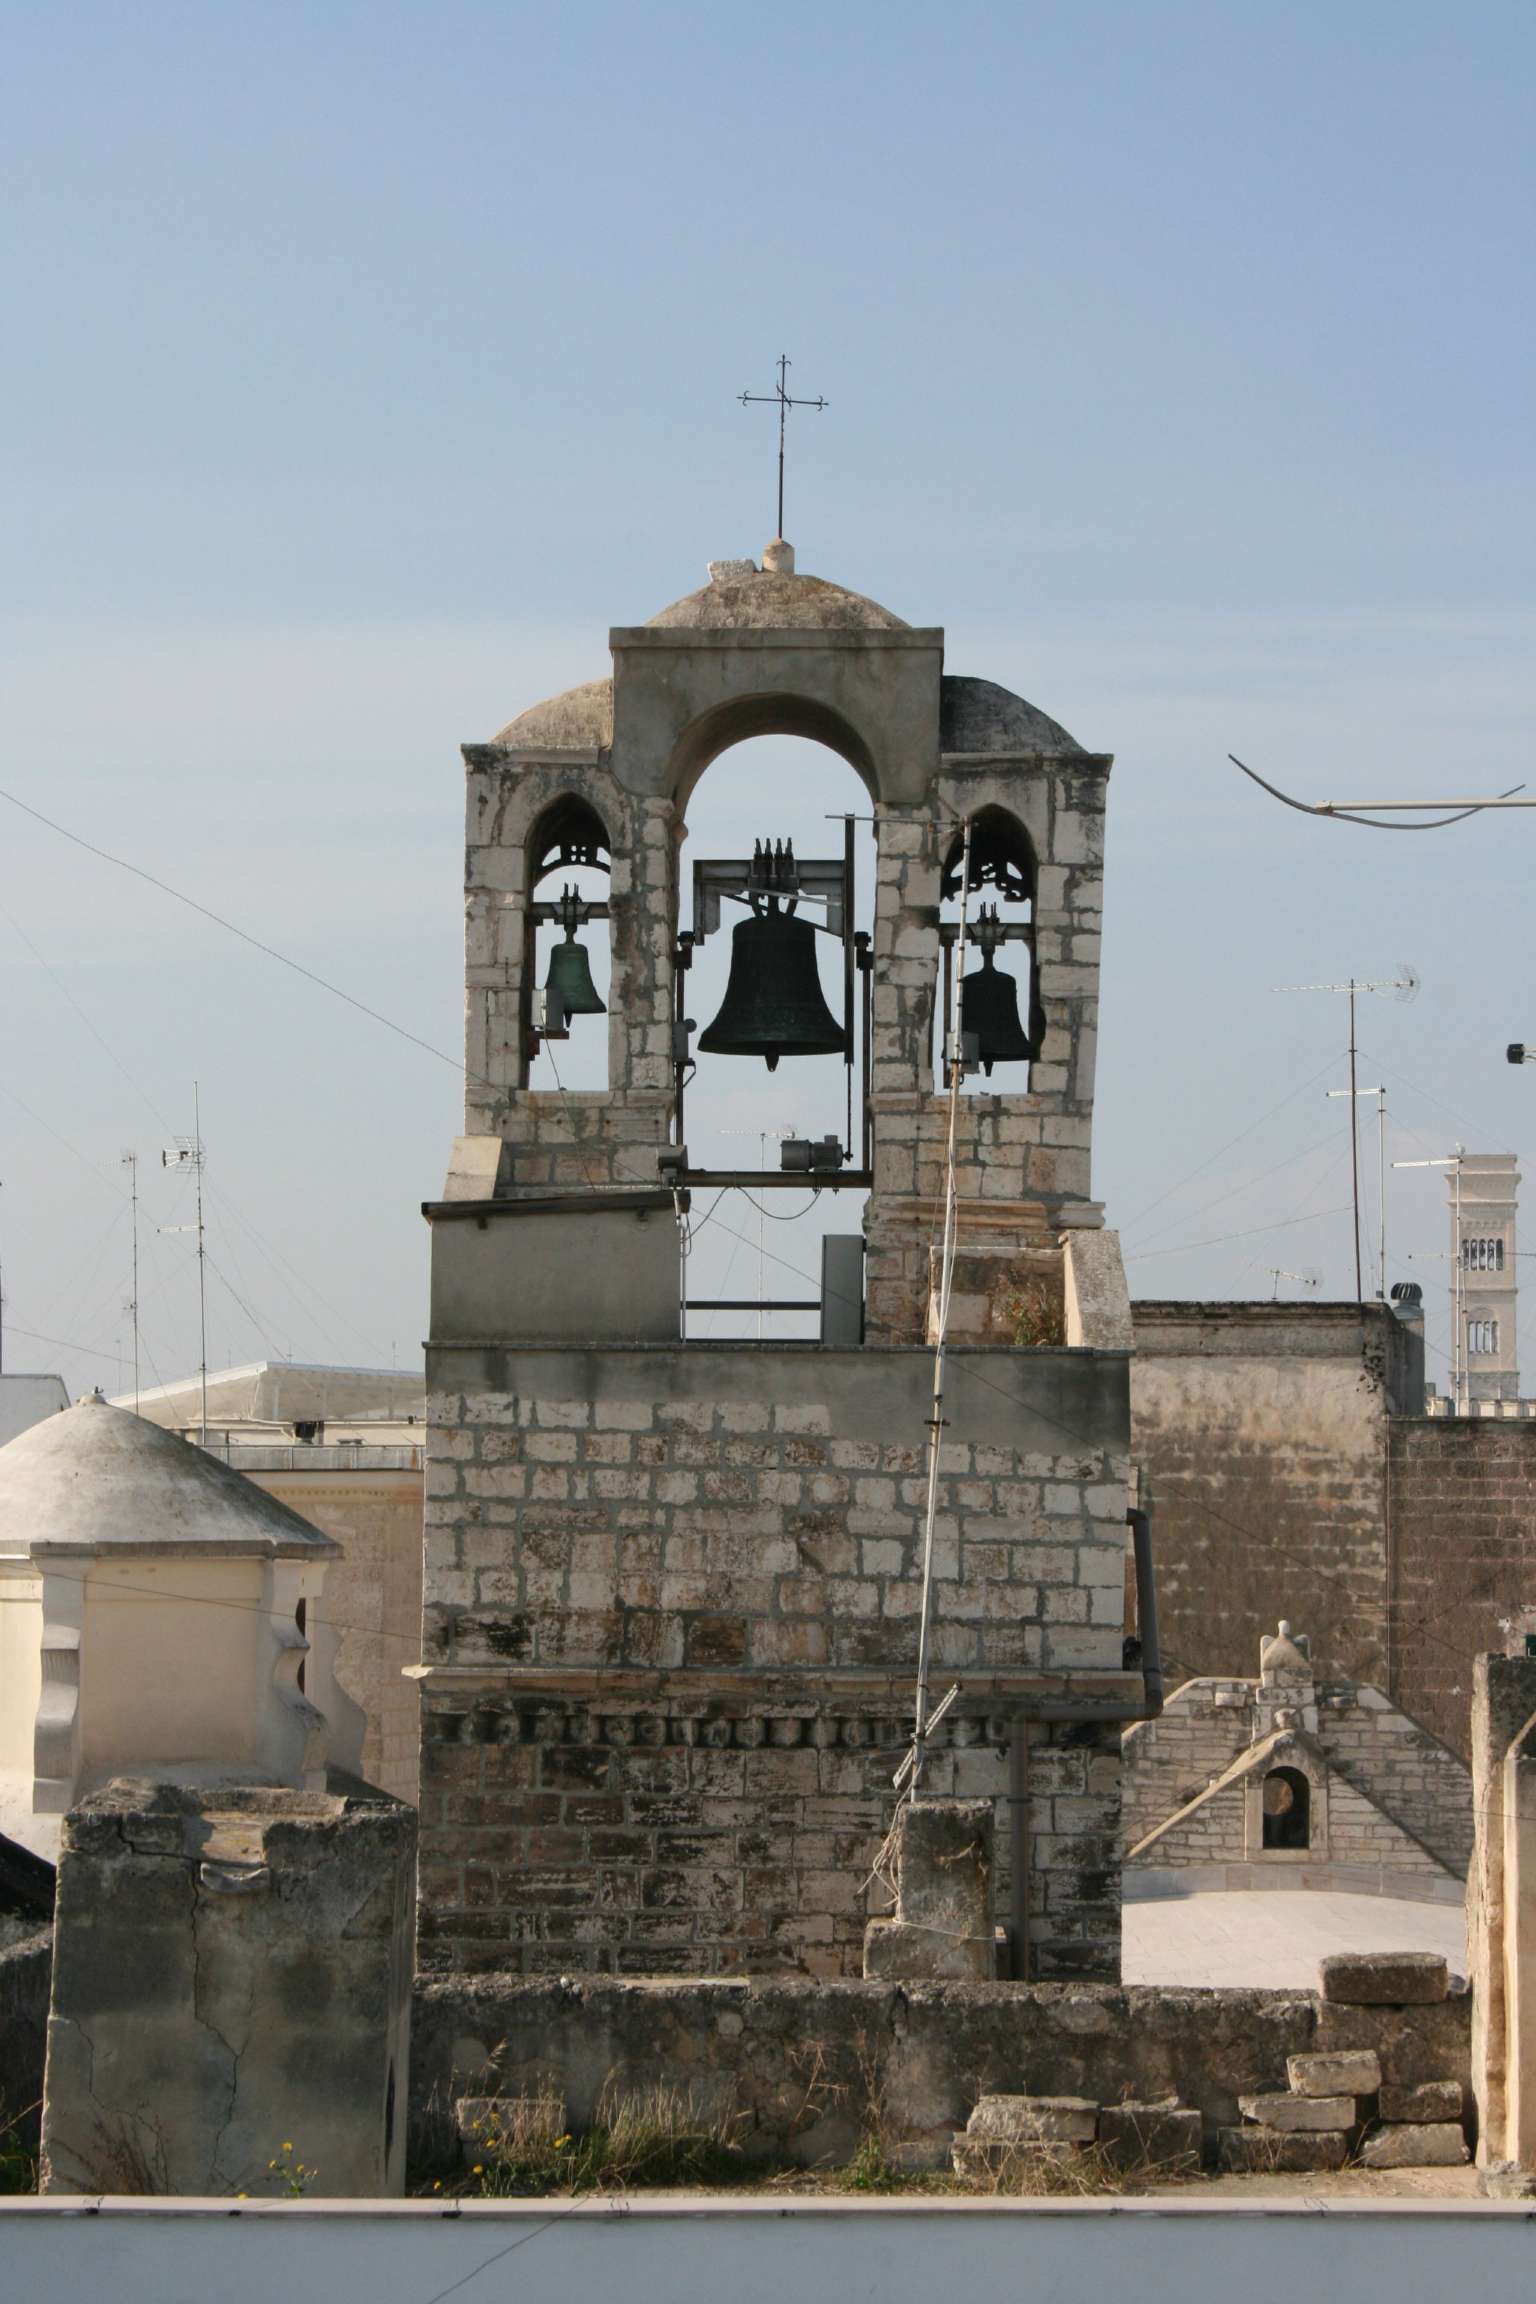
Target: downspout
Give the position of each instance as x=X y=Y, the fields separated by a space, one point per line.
x=1139 y=1521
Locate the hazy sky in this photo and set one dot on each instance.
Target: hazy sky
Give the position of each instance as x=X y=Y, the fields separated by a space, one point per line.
x=366 y=362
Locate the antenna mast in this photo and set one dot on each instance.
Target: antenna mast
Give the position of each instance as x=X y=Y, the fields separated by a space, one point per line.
x=1403 y=986
x=187 y=1152
x=130 y=1160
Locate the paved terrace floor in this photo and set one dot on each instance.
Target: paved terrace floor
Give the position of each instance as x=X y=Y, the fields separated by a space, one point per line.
x=1276 y=1937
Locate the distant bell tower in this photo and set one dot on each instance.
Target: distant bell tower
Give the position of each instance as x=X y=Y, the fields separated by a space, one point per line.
x=1483 y=1245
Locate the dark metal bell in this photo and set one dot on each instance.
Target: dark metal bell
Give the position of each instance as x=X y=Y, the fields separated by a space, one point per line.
x=773 y=1003
x=989 y=1008
x=570 y=976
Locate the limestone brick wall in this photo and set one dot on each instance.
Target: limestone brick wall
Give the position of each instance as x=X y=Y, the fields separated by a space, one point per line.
x=1463 y=1496
x=1401 y=1769
x=747 y=1523
x=1261 y=1435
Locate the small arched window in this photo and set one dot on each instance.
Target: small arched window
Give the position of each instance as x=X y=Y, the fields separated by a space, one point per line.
x=1000 y=1022
x=566 y=967
x=1483 y=1337
x=1287 y=1803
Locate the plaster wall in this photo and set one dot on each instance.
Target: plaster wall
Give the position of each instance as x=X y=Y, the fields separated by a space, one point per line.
x=170 y=1655
x=371 y=1602
x=21 y=1666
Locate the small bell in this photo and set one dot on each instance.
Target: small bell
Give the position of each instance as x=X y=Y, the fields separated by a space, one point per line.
x=570 y=972
x=989 y=1009
x=773 y=1005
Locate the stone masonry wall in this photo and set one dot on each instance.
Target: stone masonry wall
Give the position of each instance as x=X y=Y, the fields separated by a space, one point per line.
x=1207 y=1724
x=1260 y=1433
x=1463 y=1536
x=805 y=2068
x=747 y=1522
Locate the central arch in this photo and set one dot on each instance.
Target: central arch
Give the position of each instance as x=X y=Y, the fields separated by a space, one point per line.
x=739 y=718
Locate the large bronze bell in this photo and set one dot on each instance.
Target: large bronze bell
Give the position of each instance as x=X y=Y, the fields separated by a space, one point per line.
x=570 y=979
x=773 y=1003
x=989 y=1009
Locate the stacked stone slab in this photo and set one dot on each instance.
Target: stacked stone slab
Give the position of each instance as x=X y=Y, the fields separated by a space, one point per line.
x=1332 y=2095
x=1131 y=2138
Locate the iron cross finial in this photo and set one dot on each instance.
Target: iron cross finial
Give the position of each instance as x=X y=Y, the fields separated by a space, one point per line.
x=782 y=399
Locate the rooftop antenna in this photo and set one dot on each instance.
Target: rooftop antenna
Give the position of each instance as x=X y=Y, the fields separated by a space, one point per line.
x=187 y=1152
x=1311 y=1280
x=782 y=399
x=1380 y=1095
x=130 y=1161
x=1352 y=811
x=1404 y=987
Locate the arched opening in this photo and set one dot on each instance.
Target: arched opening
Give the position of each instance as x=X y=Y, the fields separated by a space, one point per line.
x=1287 y=1806
x=757 y=1247
x=568 y=952
x=1001 y=1024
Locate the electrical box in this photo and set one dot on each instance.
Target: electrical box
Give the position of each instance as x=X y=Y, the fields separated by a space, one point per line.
x=842 y=1288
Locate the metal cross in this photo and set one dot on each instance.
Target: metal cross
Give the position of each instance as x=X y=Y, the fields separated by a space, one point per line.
x=783 y=400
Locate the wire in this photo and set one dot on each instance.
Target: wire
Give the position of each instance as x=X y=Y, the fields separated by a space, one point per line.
x=179 y=896
x=1247 y=1185
x=1223 y=1149
x=1460 y=1117
x=1188 y=1247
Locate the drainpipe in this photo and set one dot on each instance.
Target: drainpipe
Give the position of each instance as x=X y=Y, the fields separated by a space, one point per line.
x=1140 y=1524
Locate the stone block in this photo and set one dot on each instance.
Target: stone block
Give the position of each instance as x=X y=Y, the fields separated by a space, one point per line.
x=1140 y=2136
x=1432 y=2100
x=1284 y=2152
x=1341 y=2072
x=1416 y=2144
x=1295 y=2113
x=273 y=2002
x=894 y=1951
x=1027 y=2120
x=1384 y=1979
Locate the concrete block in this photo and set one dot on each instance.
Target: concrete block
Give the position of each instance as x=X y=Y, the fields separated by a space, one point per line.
x=1343 y=2072
x=1416 y=2144
x=1432 y=2100
x=1026 y=2120
x=1384 y=1979
x=1135 y=2136
x=895 y=1951
x=1264 y=2151
x=1294 y=2113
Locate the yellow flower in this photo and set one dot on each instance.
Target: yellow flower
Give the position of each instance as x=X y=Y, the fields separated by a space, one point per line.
x=477 y=2170
x=561 y=2142
x=437 y=2187
x=287 y=2147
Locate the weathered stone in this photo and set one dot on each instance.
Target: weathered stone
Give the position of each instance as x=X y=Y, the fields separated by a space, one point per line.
x=1293 y=2113
x=1432 y=2100
x=893 y=1950
x=1343 y=2072
x=1260 y=2151
x=1140 y=2136
x=1384 y=1979
x=1432 y=2144
x=249 y=1984
x=1026 y=2120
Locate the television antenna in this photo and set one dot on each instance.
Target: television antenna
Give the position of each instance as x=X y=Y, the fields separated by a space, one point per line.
x=1404 y=988
x=1310 y=1280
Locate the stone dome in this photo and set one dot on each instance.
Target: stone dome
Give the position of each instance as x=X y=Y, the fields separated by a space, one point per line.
x=578 y=720
x=741 y=597
x=979 y=716
x=95 y=1478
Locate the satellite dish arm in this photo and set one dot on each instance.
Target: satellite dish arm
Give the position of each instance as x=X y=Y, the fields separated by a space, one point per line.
x=1349 y=816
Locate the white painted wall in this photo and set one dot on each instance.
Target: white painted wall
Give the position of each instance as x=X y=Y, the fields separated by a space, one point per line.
x=21 y=1664
x=760 y=2252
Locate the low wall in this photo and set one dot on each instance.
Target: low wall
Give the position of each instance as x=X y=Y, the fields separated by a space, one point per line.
x=812 y=2065
x=26 y=1969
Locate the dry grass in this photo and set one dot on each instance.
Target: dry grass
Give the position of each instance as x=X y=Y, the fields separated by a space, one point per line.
x=645 y=2137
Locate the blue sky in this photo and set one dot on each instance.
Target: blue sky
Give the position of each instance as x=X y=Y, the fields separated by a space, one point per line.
x=366 y=363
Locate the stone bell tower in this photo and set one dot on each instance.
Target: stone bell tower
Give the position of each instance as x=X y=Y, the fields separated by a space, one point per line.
x=672 y=1586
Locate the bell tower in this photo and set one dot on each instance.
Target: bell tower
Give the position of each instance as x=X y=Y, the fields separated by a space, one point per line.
x=672 y=1586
